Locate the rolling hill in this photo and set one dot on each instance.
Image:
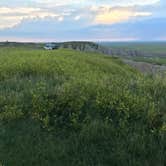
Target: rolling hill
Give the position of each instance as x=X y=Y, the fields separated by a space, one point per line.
x=67 y=107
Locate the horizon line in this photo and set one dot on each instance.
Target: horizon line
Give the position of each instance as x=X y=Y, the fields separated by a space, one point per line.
x=96 y=41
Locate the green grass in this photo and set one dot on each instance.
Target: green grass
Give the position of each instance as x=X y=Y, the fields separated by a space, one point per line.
x=70 y=108
x=156 y=61
x=150 y=48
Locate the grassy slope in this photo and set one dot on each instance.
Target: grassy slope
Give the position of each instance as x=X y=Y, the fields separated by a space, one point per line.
x=70 y=108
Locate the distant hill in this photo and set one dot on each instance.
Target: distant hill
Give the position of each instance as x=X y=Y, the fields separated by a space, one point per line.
x=113 y=49
x=75 y=45
x=100 y=48
x=83 y=46
x=122 y=49
x=148 y=49
x=26 y=45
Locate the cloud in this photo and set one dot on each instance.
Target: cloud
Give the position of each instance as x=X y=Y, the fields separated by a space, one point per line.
x=96 y=2
x=77 y=17
x=10 y=17
x=106 y=15
x=71 y=19
x=96 y=11
x=53 y=3
x=149 y=29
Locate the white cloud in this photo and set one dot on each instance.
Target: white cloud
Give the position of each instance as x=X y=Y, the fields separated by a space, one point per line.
x=10 y=17
x=105 y=11
x=60 y=19
x=77 y=18
x=107 y=15
x=133 y=2
x=143 y=14
x=113 y=3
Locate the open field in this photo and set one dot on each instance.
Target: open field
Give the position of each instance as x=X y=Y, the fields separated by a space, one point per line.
x=147 y=48
x=66 y=107
x=153 y=60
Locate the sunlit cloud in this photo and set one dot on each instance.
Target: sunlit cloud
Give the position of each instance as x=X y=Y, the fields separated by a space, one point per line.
x=71 y=18
x=107 y=15
x=10 y=17
x=103 y=12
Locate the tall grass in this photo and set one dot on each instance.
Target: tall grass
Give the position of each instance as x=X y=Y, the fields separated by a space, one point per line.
x=71 y=108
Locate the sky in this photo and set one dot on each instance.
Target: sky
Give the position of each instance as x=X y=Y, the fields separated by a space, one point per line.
x=92 y=20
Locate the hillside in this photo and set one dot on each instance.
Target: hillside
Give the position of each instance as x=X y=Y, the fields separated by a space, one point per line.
x=67 y=107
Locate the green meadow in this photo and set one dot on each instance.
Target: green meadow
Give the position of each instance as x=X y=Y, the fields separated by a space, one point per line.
x=147 y=48
x=68 y=108
x=153 y=60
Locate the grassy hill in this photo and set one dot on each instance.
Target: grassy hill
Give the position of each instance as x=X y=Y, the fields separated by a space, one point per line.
x=66 y=107
x=18 y=45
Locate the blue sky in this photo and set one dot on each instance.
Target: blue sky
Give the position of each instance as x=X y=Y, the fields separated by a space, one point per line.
x=95 y=20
